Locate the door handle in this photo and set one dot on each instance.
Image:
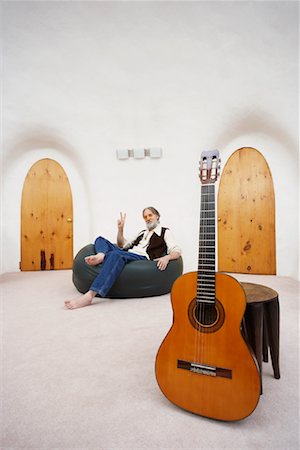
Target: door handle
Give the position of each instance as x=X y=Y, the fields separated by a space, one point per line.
x=69 y=219
x=52 y=261
x=43 y=260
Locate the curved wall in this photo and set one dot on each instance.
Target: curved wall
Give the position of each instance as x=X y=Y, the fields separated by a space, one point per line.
x=82 y=79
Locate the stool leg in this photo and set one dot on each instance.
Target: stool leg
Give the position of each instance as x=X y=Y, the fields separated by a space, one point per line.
x=254 y=322
x=244 y=329
x=271 y=313
x=265 y=341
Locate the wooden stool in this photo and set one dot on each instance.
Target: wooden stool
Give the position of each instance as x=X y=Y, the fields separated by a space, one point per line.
x=261 y=324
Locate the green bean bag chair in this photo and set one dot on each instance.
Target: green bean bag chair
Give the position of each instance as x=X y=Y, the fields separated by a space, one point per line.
x=137 y=279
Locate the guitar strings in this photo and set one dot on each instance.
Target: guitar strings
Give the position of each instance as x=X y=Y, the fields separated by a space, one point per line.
x=206 y=263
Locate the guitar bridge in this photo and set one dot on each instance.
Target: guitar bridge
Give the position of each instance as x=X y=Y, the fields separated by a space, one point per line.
x=204 y=369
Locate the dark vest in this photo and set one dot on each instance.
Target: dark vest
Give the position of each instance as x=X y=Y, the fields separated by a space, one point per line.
x=157 y=246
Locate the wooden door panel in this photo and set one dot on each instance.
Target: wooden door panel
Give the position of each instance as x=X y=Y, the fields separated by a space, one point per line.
x=60 y=219
x=34 y=220
x=46 y=218
x=246 y=215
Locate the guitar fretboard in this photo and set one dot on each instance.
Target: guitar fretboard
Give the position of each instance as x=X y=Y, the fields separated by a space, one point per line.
x=206 y=278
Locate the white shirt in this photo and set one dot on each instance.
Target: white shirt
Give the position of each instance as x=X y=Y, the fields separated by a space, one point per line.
x=141 y=248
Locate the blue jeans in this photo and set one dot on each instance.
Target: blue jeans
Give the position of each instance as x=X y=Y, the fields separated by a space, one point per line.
x=113 y=264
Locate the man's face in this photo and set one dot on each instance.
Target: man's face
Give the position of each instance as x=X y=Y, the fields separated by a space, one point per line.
x=151 y=219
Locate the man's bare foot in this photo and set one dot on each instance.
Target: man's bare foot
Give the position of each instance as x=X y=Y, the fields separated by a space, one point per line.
x=85 y=300
x=94 y=260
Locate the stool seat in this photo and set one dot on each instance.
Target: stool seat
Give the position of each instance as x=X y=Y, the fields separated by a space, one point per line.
x=261 y=323
x=256 y=293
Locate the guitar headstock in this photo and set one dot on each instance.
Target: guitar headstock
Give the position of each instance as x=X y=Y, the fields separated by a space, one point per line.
x=209 y=166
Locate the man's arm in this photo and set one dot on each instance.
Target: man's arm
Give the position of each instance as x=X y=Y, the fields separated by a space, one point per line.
x=164 y=260
x=120 y=235
x=174 y=252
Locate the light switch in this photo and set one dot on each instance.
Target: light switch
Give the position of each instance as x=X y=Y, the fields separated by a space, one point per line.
x=155 y=152
x=139 y=153
x=122 y=154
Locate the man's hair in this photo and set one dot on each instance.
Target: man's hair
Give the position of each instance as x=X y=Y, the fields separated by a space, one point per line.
x=153 y=210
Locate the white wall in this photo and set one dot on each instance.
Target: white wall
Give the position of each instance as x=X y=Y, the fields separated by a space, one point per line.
x=81 y=79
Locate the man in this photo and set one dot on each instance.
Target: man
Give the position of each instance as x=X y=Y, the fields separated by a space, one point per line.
x=155 y=243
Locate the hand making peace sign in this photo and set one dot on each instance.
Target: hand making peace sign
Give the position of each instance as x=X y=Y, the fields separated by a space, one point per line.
x=121 y=221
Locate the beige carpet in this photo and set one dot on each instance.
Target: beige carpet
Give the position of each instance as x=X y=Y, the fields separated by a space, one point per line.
x=84 y=379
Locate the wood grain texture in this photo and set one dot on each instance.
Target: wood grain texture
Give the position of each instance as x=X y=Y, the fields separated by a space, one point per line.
x=210 y=396
x=246 y=215
x=46 y=218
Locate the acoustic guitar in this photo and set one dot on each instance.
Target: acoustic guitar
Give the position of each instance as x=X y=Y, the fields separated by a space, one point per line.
x=204 y=365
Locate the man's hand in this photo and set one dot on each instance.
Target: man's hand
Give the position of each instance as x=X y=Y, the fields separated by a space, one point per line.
x=120 y=236
x=162 y=262
x=121 y=221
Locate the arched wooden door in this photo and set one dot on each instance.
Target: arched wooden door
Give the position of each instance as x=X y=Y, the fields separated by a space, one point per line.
x=46 y=218
x=246 y=215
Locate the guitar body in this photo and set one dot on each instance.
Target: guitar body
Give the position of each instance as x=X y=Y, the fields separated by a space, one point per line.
x=207 y=368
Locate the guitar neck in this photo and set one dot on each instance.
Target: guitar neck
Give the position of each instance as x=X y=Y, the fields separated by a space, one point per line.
x=206 y=279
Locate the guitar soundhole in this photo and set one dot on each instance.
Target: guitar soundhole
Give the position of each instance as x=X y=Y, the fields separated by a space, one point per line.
x=205 y=317
x=206 y=314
